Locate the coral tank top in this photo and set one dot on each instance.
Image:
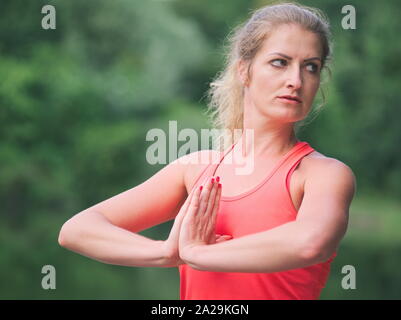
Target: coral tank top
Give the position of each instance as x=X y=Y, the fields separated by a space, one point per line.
x=271 y=206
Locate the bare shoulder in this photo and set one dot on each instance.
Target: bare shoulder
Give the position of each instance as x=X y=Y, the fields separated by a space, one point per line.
x=317 y=167
x=196 y=162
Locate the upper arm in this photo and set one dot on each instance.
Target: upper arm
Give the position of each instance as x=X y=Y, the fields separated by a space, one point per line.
x=328 y=192
x=156 y=200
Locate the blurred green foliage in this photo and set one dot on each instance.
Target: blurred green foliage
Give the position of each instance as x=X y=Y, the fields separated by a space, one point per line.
x=76 y=104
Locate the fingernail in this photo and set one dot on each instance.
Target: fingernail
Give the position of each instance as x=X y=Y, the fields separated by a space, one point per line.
x=201 y=187
x=218 y=179
x=219 y=186
x=212 y=180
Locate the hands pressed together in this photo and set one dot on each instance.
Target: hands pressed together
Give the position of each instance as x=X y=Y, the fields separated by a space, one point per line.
x=195 y=223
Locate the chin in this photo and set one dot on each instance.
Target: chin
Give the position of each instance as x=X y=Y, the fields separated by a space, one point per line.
x=285 y=116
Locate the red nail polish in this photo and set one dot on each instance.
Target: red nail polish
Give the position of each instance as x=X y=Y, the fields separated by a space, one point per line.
x=218 y=179
x=212 y=180
x=219 y=185
x=201 y=188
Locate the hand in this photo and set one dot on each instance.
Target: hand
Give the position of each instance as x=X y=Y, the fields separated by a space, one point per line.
x=198 y=225
x=171 y=245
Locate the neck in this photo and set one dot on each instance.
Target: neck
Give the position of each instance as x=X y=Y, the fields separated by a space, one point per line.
x=267 y=137
x=265 y=143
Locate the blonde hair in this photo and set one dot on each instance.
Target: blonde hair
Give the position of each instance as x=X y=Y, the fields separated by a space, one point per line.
x=226 y=91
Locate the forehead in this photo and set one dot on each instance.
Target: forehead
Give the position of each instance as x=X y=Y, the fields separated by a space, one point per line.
x=293 y=41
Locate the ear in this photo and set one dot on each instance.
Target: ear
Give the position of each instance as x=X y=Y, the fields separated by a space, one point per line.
x=243 y=71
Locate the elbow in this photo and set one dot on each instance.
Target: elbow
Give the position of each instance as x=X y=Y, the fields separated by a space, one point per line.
x=62 y=237
x=313 y=254
x=66 y=235
x=72 y=229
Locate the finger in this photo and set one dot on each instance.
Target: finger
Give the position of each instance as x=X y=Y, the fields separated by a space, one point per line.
x=190 y=195
x=209 y=224
x=224 y=238
x=185 y=206
x=205 y=214
x=194 y=201
x=213 y=216
x=193 y=205
x=218 y=236
x=205 y=196
x=174 y=234
x=211 y=200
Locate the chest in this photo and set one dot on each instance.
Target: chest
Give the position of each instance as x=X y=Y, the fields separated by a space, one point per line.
x=234 y=184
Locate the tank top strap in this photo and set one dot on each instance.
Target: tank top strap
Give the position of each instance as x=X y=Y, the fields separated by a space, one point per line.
x=224 y=154
x=212 y=166
x=293 y=161
x=297 y=151
x=286 y=164
x=295 y=157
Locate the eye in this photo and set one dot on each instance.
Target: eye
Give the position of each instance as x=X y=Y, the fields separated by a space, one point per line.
x=278 y=63
x=312 y=67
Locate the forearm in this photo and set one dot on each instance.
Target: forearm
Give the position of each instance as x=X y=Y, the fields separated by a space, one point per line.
x=95 y=237
x=282 y=248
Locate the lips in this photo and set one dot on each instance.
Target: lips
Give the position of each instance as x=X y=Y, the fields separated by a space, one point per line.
x=293 y=98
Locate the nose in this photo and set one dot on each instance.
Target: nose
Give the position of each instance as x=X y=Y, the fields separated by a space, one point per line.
x=294 y=80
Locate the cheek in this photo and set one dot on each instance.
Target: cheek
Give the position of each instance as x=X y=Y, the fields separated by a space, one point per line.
x=264 y=82
x=311 y=88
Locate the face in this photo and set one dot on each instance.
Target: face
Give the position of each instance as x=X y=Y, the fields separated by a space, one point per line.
x=287 y=64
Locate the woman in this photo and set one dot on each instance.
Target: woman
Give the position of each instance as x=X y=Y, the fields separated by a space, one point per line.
x=269 y=234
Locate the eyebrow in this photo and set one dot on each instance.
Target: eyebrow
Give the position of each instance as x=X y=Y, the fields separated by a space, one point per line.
x=289 y=58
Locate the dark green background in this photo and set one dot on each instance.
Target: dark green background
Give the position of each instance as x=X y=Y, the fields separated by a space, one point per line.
x=76 y=104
